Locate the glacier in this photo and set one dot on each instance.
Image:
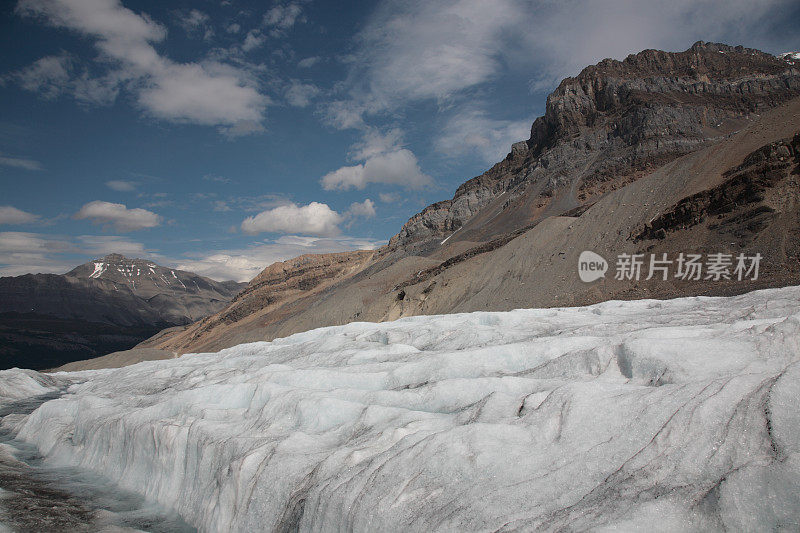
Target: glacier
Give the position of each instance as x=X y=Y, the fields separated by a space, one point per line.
x=660 y=415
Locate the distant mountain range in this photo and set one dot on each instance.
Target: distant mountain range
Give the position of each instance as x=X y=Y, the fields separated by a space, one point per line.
x=693 y=152
x=99 y=307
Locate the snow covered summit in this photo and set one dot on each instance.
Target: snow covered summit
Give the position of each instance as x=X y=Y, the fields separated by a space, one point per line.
x=680 y=414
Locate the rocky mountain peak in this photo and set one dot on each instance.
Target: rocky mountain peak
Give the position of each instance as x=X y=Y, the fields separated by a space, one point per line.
x=610 y=125
x=102 y=306
x=116 y=258
x=703 y=72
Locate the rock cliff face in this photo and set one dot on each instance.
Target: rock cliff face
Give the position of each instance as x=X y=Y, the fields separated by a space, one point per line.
x=104 y=305
x=613 y=123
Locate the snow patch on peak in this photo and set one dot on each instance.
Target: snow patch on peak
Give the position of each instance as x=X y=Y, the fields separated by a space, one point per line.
x=99 y=268
x=789 y=55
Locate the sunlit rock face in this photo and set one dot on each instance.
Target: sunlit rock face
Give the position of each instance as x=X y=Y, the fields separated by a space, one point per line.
x=610 y=125
x=678 y=414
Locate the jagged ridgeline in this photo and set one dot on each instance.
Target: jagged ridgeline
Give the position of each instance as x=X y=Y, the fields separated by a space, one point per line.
x=102 y=306
x=621 y=148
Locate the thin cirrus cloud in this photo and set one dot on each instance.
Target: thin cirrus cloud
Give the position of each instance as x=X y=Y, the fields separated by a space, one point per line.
x=309 y=62
x=118 y=216
x=122 y=185
x=419 y=50
x=209 y=93
x=473 y=131
x=11 y=215
x=20 y=162
x=100 y=245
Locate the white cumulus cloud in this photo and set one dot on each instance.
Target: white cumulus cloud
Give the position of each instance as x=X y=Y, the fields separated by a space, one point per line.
x=313 y=219
x=398 y=167
x=365 y=209
x=118 y=215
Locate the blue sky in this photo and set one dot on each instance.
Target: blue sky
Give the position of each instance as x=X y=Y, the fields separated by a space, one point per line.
x=220 y=137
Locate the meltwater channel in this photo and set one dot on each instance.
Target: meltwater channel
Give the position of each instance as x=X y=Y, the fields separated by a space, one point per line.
x=37 y=497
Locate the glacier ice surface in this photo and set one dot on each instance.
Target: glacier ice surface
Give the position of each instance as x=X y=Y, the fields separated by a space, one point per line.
x=659 y=415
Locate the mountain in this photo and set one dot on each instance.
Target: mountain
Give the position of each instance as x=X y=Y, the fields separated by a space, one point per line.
x=106 y=305
x=694 y=152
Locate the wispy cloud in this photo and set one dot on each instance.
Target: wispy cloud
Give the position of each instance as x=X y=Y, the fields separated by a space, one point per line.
x=207 y=93
x=23 y=253
x=52 y=76
x=309 y=62
x=254 y=39
x=100 y=245
x=11 y=215
x=472 y=131
x=122 y=185
x=249 y=204
x=283 y=16
x=20 y=162
x=195 y=23
x=216 y=179
x=300 y=94
x=389 y=197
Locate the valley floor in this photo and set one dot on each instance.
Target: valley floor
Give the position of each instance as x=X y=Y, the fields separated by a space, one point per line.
x=670 y=415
